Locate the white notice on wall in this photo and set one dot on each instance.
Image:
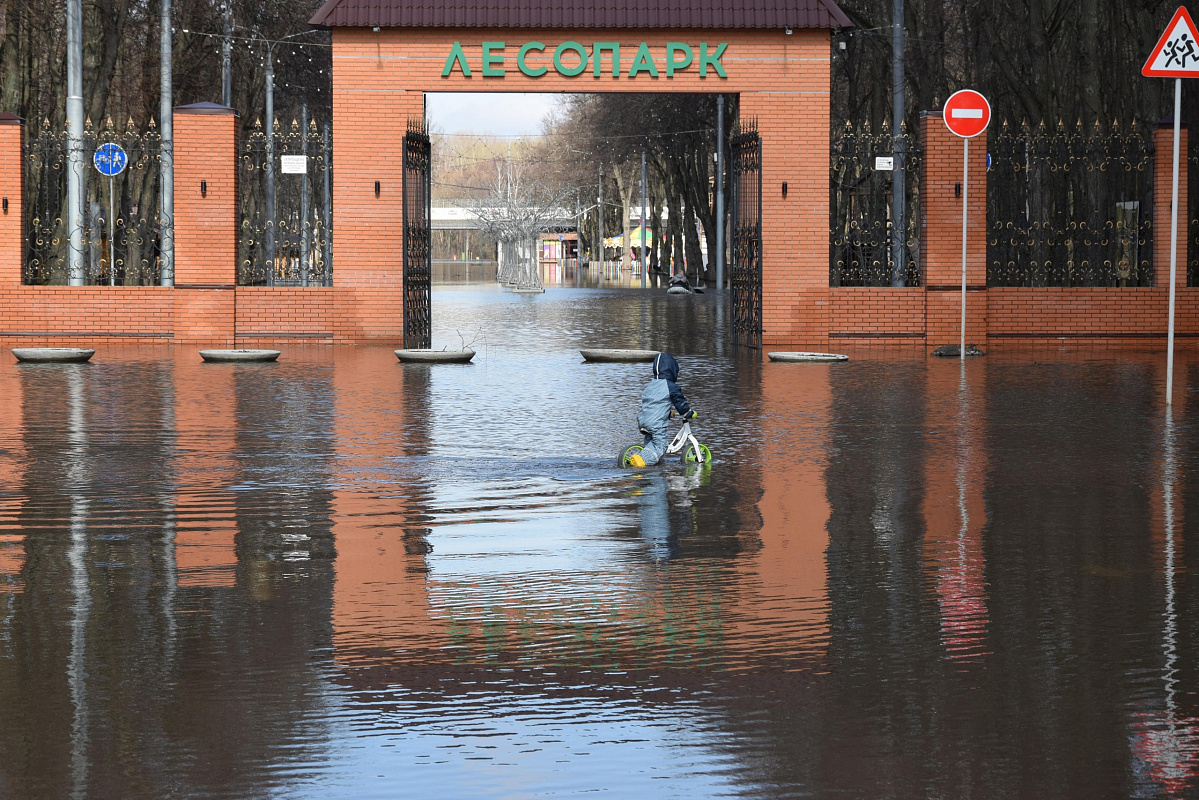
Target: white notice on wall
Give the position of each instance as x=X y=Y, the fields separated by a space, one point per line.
x=884 y=162
x=294 y=165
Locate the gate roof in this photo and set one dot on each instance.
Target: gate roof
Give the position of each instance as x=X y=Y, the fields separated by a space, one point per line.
x=574 y=14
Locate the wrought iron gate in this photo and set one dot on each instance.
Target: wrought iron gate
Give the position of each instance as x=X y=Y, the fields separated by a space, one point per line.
x=745 y=273
x=418 y=242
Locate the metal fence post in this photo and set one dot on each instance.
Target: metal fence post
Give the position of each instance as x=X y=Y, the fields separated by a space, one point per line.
x=327 y=222
x=305 y=226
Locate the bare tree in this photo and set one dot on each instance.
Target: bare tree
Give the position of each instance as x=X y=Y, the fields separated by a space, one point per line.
x=517 y=208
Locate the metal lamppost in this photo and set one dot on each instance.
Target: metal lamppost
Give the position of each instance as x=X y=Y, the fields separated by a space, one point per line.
x=719 y=191
x=75 y=276
x=899 y=225
x=166 y=276
x=227 y=57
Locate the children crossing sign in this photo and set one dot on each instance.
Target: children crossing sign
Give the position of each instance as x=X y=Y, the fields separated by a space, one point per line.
x=1176 y=54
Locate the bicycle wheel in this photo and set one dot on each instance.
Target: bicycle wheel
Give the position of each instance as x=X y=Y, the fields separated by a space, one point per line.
x=690 y=456
x=629 y=451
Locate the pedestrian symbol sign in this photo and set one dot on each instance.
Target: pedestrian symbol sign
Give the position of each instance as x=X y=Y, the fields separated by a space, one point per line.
x=110 y=159
x=1176 y=54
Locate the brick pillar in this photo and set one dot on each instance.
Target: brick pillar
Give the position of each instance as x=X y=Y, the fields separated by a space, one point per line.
x=795 y=292
x=1163 y=179
x=12 y=192
x=941 y=234
x=206 y=231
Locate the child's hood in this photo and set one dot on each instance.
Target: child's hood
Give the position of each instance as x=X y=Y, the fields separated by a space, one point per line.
x=665 y=367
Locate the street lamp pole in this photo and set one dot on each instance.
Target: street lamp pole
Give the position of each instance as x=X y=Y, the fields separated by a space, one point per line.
x=270 y=165
x=719 y=191
x=75 y=276
x=166 y=276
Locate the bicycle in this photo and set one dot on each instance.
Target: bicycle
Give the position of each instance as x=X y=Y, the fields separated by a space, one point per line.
x=697 y=453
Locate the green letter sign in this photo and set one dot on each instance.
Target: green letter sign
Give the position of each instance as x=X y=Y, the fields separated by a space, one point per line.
x=672 y=63
x=570 y=72
x=643 y=62
x=713 y=60
x=596 y=49
x=680 y=56
x=532 y=72
x=490 y=58
x=456 y=55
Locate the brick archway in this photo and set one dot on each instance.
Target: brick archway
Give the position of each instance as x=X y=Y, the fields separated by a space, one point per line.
x=780 y=71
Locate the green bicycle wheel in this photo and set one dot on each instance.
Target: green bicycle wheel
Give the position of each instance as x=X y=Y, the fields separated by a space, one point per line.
x=627 y=453
x=690 y=457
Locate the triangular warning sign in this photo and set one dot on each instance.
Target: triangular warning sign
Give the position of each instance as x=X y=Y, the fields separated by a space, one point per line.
x=1176 y=54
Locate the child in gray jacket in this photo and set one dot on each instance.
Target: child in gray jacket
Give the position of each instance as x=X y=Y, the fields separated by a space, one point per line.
x=657 y=399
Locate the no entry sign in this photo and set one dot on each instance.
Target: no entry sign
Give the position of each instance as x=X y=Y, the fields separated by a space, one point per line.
x=967 y=113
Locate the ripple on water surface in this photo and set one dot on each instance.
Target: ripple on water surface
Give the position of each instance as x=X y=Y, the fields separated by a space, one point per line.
x=339 y=575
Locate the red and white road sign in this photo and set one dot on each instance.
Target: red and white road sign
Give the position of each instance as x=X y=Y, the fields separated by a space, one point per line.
x=967 y=113
x=1176 y=54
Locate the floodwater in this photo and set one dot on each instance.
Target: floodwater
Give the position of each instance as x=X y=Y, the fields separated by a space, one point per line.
x=340 y=576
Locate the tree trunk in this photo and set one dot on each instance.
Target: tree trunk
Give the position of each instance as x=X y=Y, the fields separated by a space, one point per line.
x=624 y=187
x=655 y=220
x=695 y=258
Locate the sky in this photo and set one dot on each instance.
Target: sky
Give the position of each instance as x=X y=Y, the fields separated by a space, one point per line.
x=496 y=113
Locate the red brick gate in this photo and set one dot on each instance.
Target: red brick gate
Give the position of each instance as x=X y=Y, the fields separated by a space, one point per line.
x=387 y=55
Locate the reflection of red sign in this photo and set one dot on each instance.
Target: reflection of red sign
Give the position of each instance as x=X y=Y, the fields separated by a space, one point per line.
x=1168 y=746
x=967 y=113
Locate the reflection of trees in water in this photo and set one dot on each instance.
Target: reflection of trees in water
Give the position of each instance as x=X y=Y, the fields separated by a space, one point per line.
x=156 y=686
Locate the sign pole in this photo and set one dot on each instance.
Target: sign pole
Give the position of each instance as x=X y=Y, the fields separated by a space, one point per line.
x=966 y=113
x=1173 y=244
x=965 y=194
x=112 y=248
x=1168 y=59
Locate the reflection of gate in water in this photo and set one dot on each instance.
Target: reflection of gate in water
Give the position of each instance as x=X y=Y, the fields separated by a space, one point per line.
x=418 y=236
x=745 y=272
x=123 y=253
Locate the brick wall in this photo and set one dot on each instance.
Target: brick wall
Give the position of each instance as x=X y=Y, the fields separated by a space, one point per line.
x=877 y=313
x=12 y=184
x=64 y=315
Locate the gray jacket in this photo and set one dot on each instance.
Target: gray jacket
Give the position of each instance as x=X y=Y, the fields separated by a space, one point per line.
x=661 y=394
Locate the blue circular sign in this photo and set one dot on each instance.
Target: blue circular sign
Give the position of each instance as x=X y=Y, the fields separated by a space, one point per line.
x=110 y=159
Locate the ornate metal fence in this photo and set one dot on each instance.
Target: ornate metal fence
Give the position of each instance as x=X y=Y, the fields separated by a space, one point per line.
x=860 y=208
x=418 y=236
x=745 y=273
x=288 y=242
x=1070 y=206
x=121 y=220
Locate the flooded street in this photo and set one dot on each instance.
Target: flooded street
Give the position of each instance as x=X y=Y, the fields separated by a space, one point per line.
x=340 y=576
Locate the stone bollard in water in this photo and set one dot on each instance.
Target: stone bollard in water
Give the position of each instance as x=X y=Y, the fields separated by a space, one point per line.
x=955 y=351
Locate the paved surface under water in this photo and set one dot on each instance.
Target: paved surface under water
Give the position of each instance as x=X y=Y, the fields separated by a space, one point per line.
x=340 y=576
